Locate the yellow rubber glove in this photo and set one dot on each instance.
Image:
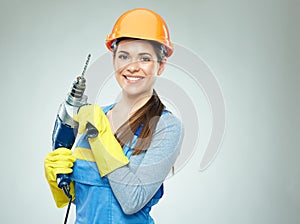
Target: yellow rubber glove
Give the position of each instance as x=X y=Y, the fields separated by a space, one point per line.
x=106 y=149
x=59 y=161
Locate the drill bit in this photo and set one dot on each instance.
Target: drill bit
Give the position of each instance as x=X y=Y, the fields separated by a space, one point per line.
x=86 y=64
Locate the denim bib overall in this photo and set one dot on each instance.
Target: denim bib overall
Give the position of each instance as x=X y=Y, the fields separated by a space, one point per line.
x=94 y=199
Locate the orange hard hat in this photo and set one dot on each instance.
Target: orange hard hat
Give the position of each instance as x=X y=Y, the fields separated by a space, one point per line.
x=141 y=23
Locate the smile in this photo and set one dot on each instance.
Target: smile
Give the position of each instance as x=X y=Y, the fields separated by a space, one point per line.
x=133 y=78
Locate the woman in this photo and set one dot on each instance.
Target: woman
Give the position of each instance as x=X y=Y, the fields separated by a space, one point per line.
x=117 y=174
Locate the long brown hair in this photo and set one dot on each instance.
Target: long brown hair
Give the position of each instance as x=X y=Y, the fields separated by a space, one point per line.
x=145 y=118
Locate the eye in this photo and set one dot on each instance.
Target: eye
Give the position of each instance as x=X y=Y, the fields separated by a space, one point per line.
x=145 y=59
x=123 y=57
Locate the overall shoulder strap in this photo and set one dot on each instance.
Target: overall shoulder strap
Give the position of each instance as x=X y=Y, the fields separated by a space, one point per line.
x=107 y=108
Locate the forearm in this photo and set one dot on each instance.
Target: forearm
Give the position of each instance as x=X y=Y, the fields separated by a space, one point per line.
x=135 y=184
x=135 y=187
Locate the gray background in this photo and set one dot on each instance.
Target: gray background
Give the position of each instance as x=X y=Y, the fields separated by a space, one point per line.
x=253 y=49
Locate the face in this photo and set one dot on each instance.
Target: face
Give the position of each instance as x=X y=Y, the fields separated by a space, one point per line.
x=136 y=67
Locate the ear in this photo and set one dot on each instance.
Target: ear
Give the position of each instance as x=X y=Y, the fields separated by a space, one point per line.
x=162 y=66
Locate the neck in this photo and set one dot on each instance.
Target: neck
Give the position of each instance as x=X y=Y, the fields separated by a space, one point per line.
x=130 y=104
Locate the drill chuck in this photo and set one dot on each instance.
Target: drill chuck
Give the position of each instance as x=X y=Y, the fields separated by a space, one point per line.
x=75 y=99
x=78 y=87
x=76 y=95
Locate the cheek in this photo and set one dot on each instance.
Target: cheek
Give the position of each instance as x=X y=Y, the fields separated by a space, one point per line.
x=150 y=69
x=118 y=78
x=119 y=67
x=117 y=64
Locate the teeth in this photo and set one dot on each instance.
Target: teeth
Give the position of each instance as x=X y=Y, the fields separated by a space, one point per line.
x=133 y=78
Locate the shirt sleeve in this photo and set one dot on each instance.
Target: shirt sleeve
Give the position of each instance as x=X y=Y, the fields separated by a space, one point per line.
x=135 y=184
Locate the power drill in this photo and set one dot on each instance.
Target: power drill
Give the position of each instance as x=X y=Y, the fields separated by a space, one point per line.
x=65 y=128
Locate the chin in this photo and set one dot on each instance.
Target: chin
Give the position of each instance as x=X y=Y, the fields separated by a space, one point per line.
x=136 y=93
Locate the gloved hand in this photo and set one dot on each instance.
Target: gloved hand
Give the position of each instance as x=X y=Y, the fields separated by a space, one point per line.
x=106 y=149
x=59 y=161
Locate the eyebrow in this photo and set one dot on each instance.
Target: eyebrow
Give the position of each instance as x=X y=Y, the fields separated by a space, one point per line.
x=123 y=52
x=142 y=53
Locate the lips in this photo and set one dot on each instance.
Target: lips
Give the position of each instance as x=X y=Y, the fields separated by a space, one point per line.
x=133 y=78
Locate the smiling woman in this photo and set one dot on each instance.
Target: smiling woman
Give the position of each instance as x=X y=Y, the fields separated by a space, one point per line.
x=121 y=175
x=136 y=65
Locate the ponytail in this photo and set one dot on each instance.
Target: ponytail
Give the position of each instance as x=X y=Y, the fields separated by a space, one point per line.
x=146 y=119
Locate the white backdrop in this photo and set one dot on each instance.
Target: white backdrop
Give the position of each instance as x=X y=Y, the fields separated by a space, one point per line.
x=253 y=49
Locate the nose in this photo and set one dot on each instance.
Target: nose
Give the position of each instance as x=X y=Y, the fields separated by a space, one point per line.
x=133 y=66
